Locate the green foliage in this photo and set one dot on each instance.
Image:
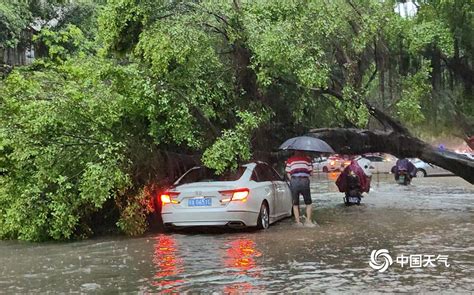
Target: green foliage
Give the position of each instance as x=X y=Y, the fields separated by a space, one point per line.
x=18 y=18
x=64 y=43
x=82 y=14
x=415 y=89
x=68 y=144
x=233 y=146
x=285 y=41
x=431 y=33
x=183 y=62
x=14 y=18
x=64 y=155
x=200 y=77
x=133 y=217
x=121 y=23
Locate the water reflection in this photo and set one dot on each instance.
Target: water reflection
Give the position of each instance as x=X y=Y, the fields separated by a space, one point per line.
x=167 y=263
x=237 y=264
x=241 y=256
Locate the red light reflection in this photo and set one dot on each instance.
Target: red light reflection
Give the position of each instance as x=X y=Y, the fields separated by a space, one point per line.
x=167 y=263
x=241 y=254
x=333 y=175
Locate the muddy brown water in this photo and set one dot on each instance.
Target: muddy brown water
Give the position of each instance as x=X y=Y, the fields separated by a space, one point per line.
x=433 y=216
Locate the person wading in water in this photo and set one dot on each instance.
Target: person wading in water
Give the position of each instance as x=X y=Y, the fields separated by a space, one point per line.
x=299 y=168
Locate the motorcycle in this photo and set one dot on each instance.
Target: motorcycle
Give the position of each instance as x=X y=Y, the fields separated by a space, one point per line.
x=353 y=195
x=403 y=171
x=353 y=181
x=403 y=177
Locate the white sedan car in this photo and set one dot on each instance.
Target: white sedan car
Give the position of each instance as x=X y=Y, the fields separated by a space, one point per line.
x=381 y=164
x=426 y=169
x=253 y=195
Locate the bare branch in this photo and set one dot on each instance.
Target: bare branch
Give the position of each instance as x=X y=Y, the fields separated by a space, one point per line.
x=372 y=77
x=217 y=30
x=386 y=120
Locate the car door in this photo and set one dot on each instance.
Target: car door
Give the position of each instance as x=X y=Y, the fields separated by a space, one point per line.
x=282 y=192
x=284 y=195
x=266 y=188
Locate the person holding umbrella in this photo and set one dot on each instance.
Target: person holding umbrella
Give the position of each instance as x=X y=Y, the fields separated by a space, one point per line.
x=299 y=169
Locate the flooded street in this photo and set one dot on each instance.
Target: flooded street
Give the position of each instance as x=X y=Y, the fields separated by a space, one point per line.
x=433 y=216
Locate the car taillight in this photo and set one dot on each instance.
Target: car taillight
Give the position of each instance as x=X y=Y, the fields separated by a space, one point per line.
x=240 y=194
x=167 y=197
x=332 y=163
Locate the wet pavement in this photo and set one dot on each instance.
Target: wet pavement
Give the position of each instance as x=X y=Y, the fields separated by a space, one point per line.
x=433 y=216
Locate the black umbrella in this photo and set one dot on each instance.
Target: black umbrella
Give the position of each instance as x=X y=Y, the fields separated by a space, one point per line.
x=307 y=143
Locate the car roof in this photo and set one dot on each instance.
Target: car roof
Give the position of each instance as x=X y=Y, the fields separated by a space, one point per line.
x=248 y=165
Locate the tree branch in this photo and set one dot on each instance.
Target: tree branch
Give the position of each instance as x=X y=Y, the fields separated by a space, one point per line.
x=386 y=120
x=200 y=114
x=372 y=77
x=360 y=141
x=217 y=30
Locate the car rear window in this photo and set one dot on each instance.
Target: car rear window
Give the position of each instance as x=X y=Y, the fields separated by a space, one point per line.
x=203 y=174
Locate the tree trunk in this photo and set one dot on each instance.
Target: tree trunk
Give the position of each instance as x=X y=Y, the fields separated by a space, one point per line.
x=246 y=77
x=358 y=141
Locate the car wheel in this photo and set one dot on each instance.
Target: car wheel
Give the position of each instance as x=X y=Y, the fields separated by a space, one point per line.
x=325 y=169
x=263 y=221
x=420 y=173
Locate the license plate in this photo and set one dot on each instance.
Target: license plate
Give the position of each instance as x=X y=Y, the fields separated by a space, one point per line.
x=353 y=200
x=199 y=202
x=401 y=178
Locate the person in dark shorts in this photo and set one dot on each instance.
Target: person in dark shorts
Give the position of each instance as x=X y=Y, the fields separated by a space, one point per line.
x=299 y=168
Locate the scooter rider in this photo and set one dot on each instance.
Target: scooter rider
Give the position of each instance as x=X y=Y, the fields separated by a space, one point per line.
x=403 y=164
x=353 y=181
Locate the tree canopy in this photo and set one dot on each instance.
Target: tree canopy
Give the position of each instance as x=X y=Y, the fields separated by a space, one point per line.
x=88 y=127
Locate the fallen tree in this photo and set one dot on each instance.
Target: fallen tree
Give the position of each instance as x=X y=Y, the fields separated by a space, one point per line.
x=395 y=139
x=359 y=141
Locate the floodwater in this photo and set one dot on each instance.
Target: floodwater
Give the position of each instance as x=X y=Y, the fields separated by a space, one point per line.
x=433 y=216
